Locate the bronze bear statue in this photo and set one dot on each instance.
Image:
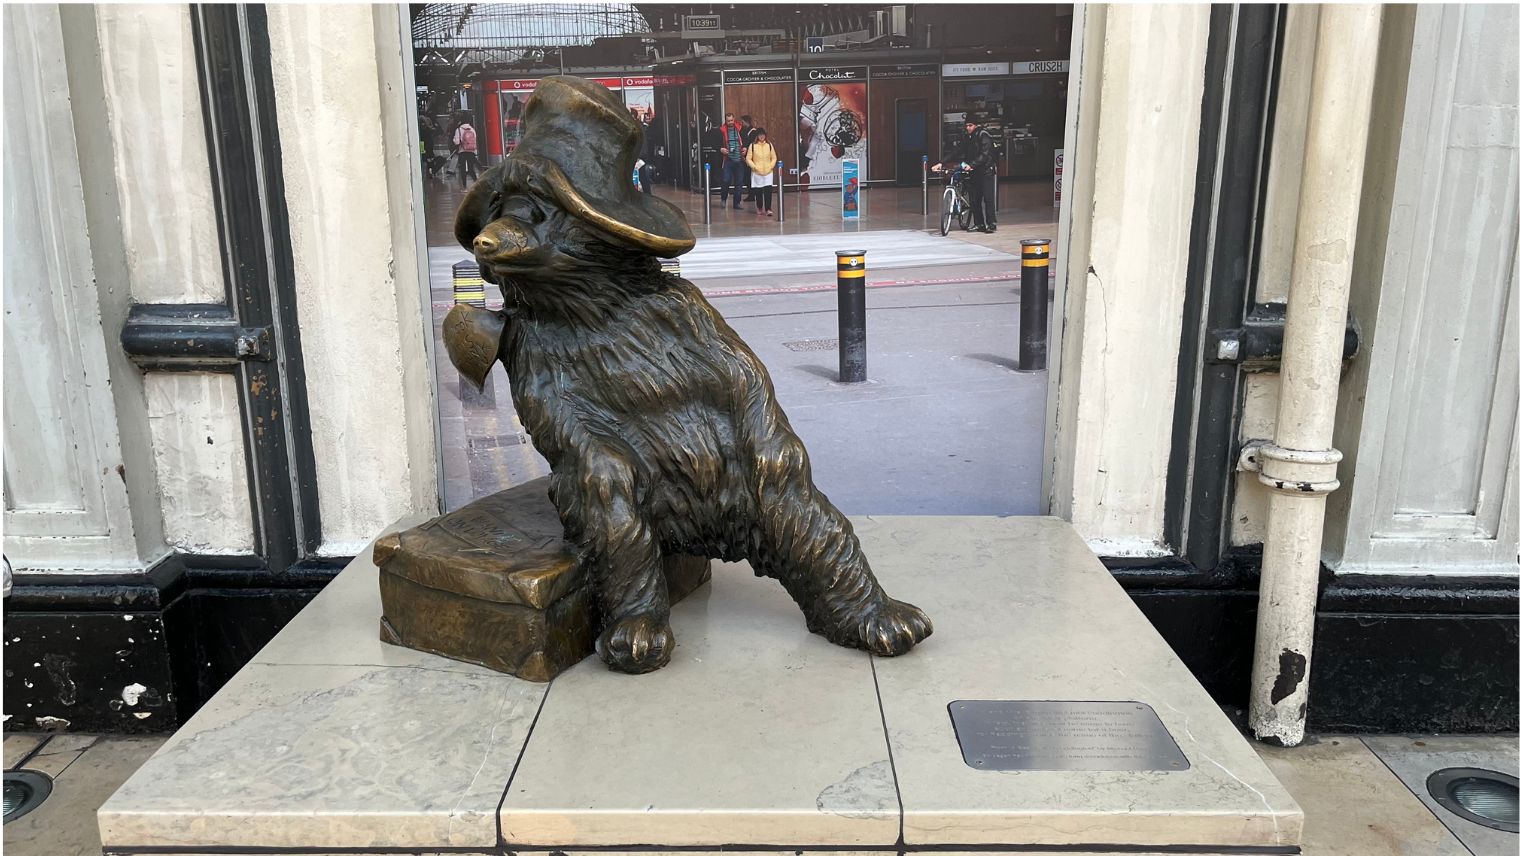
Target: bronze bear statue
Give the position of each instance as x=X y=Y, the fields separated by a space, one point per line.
x=660 y=425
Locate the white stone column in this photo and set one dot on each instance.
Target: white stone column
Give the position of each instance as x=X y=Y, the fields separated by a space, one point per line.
x=1122 y=257
x=348 y=158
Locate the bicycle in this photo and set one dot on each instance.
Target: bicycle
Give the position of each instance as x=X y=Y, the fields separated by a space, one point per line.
x=954 y=206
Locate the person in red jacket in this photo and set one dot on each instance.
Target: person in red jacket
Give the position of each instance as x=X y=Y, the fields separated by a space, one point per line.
x=732 y=148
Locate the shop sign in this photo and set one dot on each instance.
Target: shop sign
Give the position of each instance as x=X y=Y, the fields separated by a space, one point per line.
x=614 y=83
x=673 y=80
x=1041 y=66
x=759 y=75
x=975 y=69
x=810 y=75
x=891 y=72
x=701 y=26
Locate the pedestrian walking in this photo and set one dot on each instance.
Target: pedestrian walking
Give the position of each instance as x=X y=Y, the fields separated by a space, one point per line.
x=981 y=186
x=464 y=148
x=645 y=165
x=733 y=160
x=761 y=159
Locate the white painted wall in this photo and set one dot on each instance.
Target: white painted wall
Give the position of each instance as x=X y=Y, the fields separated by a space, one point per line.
x=163 y=174
x=194 y=419
x=1123 y=316
x=347 y=169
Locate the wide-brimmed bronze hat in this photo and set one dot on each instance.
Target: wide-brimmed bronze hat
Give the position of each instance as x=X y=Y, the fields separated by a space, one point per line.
x=581 y=142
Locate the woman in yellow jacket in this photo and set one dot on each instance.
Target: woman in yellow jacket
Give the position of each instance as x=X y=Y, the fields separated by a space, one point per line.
x=761 y=158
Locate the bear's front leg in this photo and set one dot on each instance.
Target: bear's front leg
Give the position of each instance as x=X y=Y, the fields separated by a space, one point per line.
x=597 y=502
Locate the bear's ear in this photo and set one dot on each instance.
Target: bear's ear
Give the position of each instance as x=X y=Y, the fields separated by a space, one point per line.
x=475 y=211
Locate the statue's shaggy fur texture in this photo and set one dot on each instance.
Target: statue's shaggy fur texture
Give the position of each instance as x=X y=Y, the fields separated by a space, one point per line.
x=662 y=430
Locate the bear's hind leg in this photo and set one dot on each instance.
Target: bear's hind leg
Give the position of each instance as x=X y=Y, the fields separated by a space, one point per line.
x=807 y=544
x=622 y=556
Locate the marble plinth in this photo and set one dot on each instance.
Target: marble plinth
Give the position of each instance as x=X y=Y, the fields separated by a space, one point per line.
x=758 y=735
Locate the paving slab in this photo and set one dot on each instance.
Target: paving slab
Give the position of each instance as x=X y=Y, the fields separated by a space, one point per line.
x=18 y=746
x=60 y=752
x=1353 y=805
x=64 y=824
x=757 y=733
x=1024 y=611
x=332 y=756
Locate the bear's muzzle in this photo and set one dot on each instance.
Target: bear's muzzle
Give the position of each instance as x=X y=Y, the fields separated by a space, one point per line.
x=502 y=242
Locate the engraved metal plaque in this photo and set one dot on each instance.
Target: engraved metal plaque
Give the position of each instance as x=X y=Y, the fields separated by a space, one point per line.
x=1064 y=735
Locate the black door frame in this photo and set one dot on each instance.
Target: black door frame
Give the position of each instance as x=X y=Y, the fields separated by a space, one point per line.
x=1245 y=47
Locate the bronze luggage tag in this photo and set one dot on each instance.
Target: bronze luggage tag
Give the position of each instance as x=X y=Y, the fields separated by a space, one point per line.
x=472 y=336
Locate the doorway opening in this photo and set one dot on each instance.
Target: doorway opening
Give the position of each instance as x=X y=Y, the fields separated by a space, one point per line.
x=945 y=423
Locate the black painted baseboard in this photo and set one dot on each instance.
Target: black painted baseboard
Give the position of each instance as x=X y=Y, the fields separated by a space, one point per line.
x=142 y=653
x=1394 y=653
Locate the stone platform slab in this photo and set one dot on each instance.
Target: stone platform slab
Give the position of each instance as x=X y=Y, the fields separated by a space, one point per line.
x=758 y=737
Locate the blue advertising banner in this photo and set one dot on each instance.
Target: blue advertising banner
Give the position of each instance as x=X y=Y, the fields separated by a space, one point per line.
x=849 y=183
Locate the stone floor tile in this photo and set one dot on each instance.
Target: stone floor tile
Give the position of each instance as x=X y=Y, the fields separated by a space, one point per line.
x=18 y=745
x=60 y=752
x=1353 y=805
x=64 y=825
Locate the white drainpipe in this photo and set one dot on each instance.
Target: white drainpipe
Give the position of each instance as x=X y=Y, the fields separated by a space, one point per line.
x=1299 y=465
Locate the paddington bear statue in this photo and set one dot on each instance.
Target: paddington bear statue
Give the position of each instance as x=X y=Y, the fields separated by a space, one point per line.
x=660 y=425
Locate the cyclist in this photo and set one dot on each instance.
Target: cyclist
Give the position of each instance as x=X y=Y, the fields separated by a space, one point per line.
x=979 y=158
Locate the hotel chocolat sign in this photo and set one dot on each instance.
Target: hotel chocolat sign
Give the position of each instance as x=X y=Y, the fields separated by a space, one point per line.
x=819 y=75
x=893 y=72
x=760 y=75
x=1064 y=735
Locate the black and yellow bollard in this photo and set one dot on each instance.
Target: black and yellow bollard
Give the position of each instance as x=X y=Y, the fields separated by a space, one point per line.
x=470 y=290
x=468 y=286
x=852 y=315
x=1034 y=303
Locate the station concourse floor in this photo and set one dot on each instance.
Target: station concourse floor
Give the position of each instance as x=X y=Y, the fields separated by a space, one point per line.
x=960 y=429
x=1357 y=793
x=1022 y=206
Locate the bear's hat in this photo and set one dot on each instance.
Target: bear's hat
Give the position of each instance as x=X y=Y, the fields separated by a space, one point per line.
x=582 y=142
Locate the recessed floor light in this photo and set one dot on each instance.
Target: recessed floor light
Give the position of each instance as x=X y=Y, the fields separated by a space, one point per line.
x=1485 y=797
x=24 y=791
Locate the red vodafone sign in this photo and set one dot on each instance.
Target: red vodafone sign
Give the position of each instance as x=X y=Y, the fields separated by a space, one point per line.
x=613 y=83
